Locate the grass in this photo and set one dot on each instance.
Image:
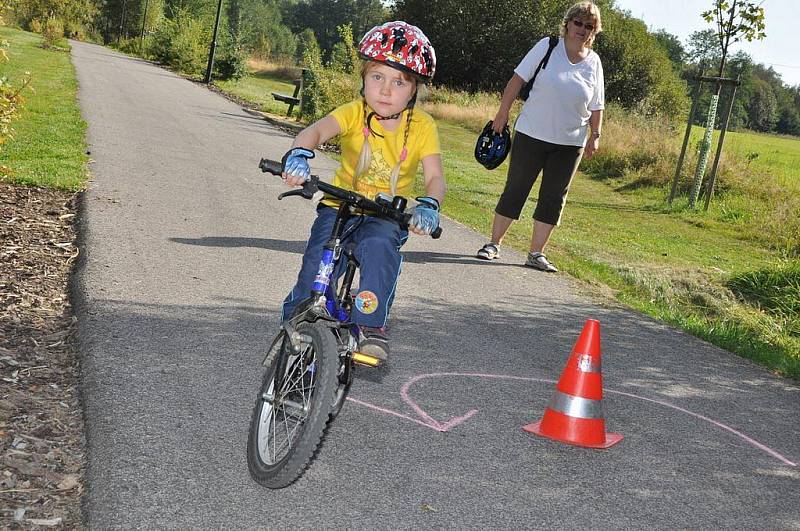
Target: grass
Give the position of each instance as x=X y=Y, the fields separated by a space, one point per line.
x=676 y=265
x=719 y=275
x=775 y=155
x=257 y=88
x=49 y=148
x=722 y=275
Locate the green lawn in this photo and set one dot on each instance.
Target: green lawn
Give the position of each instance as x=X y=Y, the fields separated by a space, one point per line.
x=258 y=90
x=775 y=155
x=49 y=148
x=671 y=263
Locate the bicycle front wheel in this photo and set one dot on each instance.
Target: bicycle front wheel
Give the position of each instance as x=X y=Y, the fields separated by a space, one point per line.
x=293 y=408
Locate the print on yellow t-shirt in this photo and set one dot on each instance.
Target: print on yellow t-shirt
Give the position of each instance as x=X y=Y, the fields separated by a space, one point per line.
x=379 y=173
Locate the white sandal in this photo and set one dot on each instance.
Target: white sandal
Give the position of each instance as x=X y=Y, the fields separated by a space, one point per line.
x=539 y=261
x=488 y=252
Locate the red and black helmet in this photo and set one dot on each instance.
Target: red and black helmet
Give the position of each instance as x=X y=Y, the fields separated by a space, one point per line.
x=402 y=46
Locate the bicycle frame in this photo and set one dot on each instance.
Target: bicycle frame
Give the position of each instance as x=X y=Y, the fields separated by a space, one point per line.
x=337 y=306
x=325 y=304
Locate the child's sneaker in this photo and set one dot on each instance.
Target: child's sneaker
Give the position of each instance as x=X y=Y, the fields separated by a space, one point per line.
x=539 y=261
x=373 y=342
x=488 y=252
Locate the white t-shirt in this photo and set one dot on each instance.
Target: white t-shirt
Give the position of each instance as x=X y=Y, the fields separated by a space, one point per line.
x=563 y=95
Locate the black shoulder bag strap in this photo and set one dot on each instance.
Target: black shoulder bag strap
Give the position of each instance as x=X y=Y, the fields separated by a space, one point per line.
x=526 y=89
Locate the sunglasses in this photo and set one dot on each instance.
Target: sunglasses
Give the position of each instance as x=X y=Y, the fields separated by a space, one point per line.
x=579 y=24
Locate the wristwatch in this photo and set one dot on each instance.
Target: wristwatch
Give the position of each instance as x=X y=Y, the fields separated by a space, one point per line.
x=596 y=134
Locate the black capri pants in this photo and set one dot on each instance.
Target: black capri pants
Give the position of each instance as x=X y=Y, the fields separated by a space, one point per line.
x=529 y=156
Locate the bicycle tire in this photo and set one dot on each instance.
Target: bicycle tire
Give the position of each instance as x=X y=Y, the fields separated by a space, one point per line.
x=344 y=379
x=307 y=379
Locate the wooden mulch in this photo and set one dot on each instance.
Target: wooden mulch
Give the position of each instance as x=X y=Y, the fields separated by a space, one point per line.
x=42 y=451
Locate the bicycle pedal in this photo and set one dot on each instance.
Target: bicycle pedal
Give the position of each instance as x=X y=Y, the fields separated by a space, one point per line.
x=365 y=359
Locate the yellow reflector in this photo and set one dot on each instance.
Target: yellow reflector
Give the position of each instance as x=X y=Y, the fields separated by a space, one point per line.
x=364 y=359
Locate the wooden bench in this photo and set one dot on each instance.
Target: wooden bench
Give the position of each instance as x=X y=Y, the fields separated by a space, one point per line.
x=292 y=100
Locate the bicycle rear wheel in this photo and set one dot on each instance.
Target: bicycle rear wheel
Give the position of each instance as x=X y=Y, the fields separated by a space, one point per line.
x=293 y=408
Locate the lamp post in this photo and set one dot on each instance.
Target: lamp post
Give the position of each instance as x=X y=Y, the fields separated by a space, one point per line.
x=122 y=21
x=210 y=67
x=144 y=20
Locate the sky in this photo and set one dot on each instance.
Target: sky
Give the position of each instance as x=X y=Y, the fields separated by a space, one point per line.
x=682 y=18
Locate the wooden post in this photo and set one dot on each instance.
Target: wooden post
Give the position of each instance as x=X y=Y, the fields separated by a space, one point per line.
x=710 y=185
x=695 y=98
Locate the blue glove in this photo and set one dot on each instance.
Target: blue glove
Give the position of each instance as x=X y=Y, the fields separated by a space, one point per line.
x=295 y=162
x=425 y=216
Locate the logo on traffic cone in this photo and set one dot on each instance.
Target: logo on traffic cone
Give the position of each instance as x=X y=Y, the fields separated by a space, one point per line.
x=575 y=413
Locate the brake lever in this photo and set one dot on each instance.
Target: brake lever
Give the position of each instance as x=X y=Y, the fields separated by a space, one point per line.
x=310 y=187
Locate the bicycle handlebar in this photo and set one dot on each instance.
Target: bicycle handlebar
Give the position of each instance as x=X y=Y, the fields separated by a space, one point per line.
x=393 y=211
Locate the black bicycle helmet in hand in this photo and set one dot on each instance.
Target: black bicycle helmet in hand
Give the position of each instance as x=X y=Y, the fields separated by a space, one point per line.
x=492 y=148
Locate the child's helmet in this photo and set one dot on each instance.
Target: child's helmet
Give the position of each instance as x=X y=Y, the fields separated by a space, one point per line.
x=492 y=148
x=402 y=46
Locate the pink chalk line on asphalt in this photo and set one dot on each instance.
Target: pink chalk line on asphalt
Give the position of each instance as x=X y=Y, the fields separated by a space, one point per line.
x=430 y=422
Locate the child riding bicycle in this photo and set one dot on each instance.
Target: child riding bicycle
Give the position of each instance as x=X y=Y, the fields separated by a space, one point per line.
x=383 y=139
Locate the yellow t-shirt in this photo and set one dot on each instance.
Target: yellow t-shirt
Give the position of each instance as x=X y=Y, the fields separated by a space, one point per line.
x=423 y=140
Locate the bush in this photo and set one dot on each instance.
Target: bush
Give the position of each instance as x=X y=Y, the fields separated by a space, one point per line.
x=232 y=64
x=130 y=46
x=305 y=41
x=181 y=43
x=638 y=72
x=324 y=89
x=53 y=32
x=344 y=56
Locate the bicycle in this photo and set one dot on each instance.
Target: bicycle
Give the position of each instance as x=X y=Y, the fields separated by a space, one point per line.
x=309 y=365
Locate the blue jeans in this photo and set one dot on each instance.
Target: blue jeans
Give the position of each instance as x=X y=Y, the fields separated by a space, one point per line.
x=378 y=242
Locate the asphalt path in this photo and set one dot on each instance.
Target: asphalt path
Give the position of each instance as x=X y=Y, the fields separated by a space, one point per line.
x=187 y=255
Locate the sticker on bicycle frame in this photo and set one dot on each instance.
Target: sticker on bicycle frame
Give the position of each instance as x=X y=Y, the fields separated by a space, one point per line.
x=366 y=302
x=324 y=275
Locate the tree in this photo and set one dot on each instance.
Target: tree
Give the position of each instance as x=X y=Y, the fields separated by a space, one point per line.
x=479 y=52
x=324 y=16
x=638 y=72
x=734 y=22
x=703 y=47
x=673 y=47
x=475 y=51
x=262 y=31
x=764 y=108
x=77 y=16
x=789 y=105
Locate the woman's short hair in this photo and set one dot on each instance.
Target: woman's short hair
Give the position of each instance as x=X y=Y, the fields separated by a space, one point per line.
x=583 y=11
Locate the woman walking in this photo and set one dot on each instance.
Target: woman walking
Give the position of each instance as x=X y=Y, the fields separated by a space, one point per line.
x=550 y=135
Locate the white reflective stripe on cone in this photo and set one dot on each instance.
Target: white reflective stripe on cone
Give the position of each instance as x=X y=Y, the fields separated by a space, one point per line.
x=575 y=406
x=586 y=364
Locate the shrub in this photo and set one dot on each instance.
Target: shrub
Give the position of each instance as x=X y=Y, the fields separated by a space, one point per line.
x=305 y=41
x=11 y=100
x=53 y=32
x=324 y=89
x=232 y=63
x=344 y=56
x=181 y=43
x=129 y=46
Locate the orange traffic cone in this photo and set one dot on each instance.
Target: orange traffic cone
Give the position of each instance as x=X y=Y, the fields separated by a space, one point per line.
x=575 y=413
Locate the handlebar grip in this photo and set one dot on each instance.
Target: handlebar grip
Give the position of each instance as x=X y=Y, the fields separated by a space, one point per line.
x=272 y=166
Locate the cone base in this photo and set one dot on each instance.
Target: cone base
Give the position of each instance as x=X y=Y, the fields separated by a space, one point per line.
x=611 y=438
